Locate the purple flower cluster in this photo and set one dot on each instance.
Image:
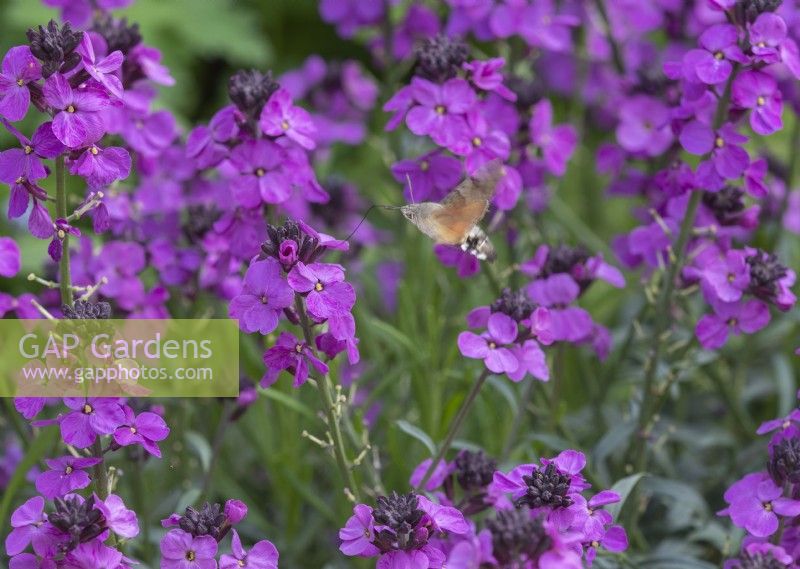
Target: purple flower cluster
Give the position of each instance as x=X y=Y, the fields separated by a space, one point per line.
x=540 y=518
x=560 y=276
x=193 y=543
x=287 y=278
x=514 y=328
x=765 y=503
x=341 y=96
x=720 y=77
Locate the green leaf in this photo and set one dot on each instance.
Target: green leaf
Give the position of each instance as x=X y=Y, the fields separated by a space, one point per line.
x=502 y=385
x=288 y=401
x=624 y=488
x=418 y=434
x=38 y=448
x=200 y=445
x=785 y=387
x=188 y=498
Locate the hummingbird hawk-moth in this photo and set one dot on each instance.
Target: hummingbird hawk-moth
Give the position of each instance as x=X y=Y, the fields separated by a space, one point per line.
x=454 y=220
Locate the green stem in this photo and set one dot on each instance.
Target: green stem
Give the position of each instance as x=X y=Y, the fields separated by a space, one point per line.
x=324 y=386
x=454 y=428
x=228 y=407
x=99 y=469
x=663 y=313
x=616 y=52
x=527 y=391
x=65 y=283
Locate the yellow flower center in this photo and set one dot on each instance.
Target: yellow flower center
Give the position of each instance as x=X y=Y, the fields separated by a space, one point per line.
x=284 y=125
x=439 y=109
x=761 y=44
x=761 y=101
x=133 y=430
x=733 y=322
x=595 y=544
x=19 y=180
x=20 y=82
x=424 y=165
x=260 y=172
x=190 y=555
x=71 y=109
x=28 y=149
x=476 y=141
x=298 y=348
x=95 y=151
x=241 y=562
x=68 y=470
x=264 y=299
x=87 y=409
x=492 y=345
x=731 y=277
x=719 y=55
x=61 y=234
x=767 y=506
x=318 y=287
x=719 y=142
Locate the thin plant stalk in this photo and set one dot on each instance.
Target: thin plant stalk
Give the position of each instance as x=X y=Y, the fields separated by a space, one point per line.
x=455 y=425
x=65 y=278
x=324 y=386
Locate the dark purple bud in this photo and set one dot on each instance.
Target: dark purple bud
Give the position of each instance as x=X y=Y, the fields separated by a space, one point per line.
x=517 y=537
x=440 y=58
x=54 y=46
x=546 y=487
x=80 y=521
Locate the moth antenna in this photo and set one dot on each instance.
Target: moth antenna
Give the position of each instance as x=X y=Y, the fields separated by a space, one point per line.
x=369 y=209
x=410 y=189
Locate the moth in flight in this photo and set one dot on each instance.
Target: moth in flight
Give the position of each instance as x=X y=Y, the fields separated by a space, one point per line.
x=454 y=220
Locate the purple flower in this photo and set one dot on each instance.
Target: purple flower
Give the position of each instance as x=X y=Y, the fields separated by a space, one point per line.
x=289 y=353
x=65 y=475
x=19 y=68
x=30 y=526
x=755 y=502
x=531 y=360
x=428 y=177
x=645 y=126
x=263 y=555
x=179 y=550
x=556 y=142
x=486 y=75
x=613 y=539
x=450 y=256
x=144 y=429
x=235 y=511
x=119 y=519
x=759 y=92
x=206 y=144
x=79 y=12
x=9 y=257
x=350 y=15
x=259 y=177
x=92 y=554
x=728 y=158
x=440 y=109
x=147 y=133
x=279 y=116
x=767 y=35
x=720 y=44
x=101 y=166
x=89 y=418
x=102 y=70
x=480 y=143
x=328 y=294
x=491 y=346
x=264 y=296
x=60 y=231
x=735 y=317
x=78 y=120
x=25 y=162
x=358 y=533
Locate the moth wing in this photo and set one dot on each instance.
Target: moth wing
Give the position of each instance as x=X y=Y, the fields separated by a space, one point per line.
x=453 y=222
x=481 y=186
x=466 y=205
